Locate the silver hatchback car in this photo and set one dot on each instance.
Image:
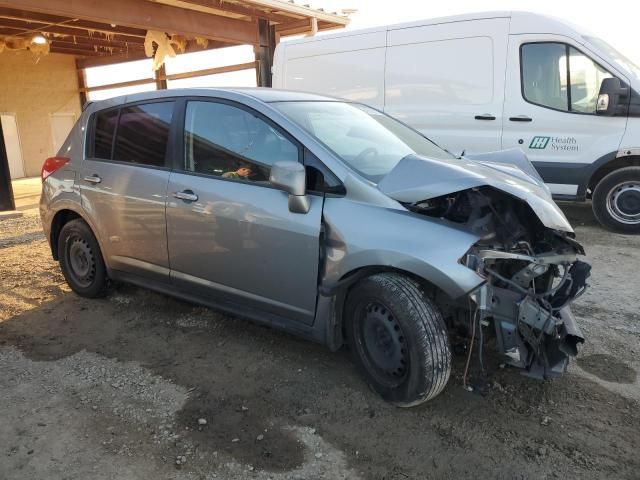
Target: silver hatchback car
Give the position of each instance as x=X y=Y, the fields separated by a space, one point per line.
x=325 y=218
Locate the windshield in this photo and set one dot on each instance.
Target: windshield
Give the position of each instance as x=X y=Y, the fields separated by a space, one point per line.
x=370 y=142
x=620 y=59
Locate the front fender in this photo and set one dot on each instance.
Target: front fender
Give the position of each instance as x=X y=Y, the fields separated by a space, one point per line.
x=359 y=235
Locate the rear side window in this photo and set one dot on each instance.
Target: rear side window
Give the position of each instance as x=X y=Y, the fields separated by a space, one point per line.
x=143 y=133
x=233 y=143
x=103 y=134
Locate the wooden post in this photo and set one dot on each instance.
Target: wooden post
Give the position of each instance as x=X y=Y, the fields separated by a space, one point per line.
x=82 y=84
x=264 y=52
x=6 y=190
x=160 y=76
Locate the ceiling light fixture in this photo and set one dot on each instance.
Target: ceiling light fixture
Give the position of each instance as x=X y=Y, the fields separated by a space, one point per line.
x=39 y=40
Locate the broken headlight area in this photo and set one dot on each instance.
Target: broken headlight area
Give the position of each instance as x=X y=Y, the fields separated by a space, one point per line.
x=532 y=275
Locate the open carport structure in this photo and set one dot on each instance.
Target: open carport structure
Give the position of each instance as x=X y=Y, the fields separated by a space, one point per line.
x=45 y=47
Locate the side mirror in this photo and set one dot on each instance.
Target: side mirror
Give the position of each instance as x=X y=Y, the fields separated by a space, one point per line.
x=611 y=101
x=291 y=177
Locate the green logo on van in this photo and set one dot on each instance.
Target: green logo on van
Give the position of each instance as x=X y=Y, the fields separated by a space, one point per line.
x=539 y=143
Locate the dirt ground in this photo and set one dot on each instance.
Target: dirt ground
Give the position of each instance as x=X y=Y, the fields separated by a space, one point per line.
x=138 y=385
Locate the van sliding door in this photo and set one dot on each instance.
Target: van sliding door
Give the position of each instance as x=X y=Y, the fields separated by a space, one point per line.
x=447 y=80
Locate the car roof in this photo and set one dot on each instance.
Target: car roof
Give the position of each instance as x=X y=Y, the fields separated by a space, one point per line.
x=261 y=94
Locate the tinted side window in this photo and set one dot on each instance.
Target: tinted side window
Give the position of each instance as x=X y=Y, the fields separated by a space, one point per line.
x=105 y=125
x=143 y=132
x=228 y=141
x=544 y=74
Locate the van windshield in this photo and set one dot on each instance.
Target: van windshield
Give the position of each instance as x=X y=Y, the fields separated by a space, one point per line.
x=620 y=59
x=367 y=140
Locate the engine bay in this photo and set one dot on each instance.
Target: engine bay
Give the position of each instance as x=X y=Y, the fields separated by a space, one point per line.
x=532 y=275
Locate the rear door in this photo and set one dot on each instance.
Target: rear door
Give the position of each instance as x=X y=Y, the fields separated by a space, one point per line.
x=552 y=88
x=447 y=80
x=231 y=234
x=123 y=182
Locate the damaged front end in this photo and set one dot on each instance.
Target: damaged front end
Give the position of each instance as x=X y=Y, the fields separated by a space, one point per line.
x=532 y=274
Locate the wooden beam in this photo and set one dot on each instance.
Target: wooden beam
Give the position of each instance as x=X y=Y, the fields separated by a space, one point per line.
x=109 y=86
x=101 y=44
x=300 y=27
x=225 y=8
x=18 y=28
x=211 y=71
x=82 y=84
x=110 y=59
x=101 y=49
x=91 y=41
x=31 y=18
x=73 y=51
x=6 y=190
x=302 y=10
x=160 y=77
x=146 y=15
x=264 y=53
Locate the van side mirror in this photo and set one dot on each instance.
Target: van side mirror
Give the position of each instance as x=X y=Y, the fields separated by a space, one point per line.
x=291 y=177
x=612 y=98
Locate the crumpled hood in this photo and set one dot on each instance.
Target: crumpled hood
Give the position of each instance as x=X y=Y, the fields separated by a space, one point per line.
x=416 y=178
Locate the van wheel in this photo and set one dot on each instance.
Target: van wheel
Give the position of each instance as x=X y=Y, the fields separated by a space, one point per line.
x=616 y=200
x=81 y=260
x=398 y=339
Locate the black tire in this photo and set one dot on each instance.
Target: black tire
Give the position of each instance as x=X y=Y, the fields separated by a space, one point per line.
x=81 y=260
x=398 y=339
x=616 y=200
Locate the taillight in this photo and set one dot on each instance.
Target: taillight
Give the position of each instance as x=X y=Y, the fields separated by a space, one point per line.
x=51 y=165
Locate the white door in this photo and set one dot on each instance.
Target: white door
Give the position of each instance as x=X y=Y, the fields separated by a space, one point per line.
x=61 y=125
x=549 y=111
x=447 y=81
x=12 y=144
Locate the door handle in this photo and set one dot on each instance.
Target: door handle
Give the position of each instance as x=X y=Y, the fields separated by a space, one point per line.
x=186 y=195
x=521 y=118
x=485 y=116
x=93 y=178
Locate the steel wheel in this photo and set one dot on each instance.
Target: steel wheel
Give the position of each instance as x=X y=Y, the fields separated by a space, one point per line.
x=623 y=202
x=81 y=261
x=382 y=342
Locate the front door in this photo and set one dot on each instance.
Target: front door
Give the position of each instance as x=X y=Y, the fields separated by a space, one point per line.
x=123 y=183
x=550 y=104
x=231 y=235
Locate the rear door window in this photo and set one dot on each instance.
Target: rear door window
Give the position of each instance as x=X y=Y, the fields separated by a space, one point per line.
x=105 y=127
x=143 y=133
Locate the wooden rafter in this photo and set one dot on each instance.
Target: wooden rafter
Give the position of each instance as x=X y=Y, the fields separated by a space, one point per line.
x=145 y=15
x=300 y=27
x=228 y=9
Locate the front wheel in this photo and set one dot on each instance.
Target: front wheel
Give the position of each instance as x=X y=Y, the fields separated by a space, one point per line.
x=398 y=339
x=616 y=200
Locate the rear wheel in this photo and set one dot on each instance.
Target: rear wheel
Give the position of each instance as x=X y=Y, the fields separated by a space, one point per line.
x=398 y=339
x=81 y=260
x=616 y=200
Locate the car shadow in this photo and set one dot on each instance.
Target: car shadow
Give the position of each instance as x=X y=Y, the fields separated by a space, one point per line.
x=246 y=379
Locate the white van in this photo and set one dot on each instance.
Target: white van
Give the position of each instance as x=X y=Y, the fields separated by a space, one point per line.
x=492 y=81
